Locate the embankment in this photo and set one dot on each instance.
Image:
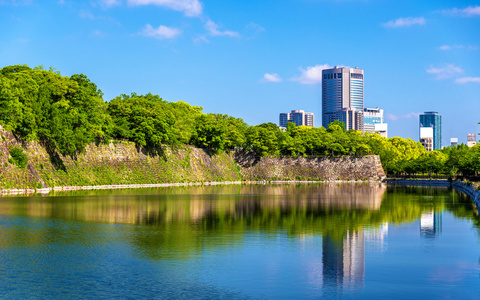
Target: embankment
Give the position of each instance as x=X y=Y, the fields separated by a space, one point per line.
x=121 y=163
x=460 y=186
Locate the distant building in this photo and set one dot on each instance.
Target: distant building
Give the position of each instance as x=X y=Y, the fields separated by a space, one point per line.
x=342 y=97
x=453 y=142
x=471 y=140
x=353 y=119
x=299 y=117
x=433 y=120
x=426 y=137
x=373 y=121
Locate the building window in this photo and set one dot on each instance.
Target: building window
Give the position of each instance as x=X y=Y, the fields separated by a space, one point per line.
x=356 y=76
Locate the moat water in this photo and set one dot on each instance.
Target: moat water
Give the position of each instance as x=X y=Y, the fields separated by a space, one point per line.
x=359 y=241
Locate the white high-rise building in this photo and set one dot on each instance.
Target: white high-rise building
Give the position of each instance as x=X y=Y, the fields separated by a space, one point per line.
x=342 y=97
x=471 y=140
x=373 y=121
x=453 y=142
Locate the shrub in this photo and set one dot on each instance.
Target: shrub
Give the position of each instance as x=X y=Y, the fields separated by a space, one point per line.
x=19 y=158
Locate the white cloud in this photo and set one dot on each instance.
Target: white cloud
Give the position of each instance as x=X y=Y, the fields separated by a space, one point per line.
x=162 y=32
x=109 y=3
x=448 y=47
x=393 y=117
x=254 y=29
x=190 y=8
x=212 y=29
x=274 y=77
x=470 y=11
x=201 y=39
x=445 y=72
x=85 y=14
x=404 y=22
x=463 y=80
x=311 y=75
x=15 y=2
x=97 y=33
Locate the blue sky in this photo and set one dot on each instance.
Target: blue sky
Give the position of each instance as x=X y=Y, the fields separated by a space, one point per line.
x=255 y=59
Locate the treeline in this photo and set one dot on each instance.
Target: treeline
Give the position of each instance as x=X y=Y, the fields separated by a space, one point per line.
x=67 y=113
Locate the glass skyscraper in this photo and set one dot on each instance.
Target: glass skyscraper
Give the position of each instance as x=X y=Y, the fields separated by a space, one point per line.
x=434 y=120
x=342 y=97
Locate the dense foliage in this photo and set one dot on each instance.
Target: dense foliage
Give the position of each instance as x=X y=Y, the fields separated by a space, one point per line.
x=67 y=113
x=64 y=113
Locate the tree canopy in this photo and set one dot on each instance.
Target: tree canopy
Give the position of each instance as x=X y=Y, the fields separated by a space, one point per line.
x=64 y=113
x=67 y=113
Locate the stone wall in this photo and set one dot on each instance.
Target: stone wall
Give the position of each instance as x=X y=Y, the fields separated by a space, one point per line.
x=122 y=163
x=313 y=168
x=469 y=190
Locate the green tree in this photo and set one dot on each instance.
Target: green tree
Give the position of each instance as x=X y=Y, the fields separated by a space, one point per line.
x=185 y=118
x=210 y=132
x=63 y=113
x=263 y=139
x=144 y=119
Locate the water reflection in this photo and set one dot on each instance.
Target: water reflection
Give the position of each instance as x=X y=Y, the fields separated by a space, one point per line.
x=344 y=261
x=195 y=203
x=431 y=224
x=183 y=224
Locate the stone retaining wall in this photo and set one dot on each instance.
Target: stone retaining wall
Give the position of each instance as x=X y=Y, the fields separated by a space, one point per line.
x=420 y=182
x=120 y=164
x=469 y=190
x=314 y=168
x=460 y=186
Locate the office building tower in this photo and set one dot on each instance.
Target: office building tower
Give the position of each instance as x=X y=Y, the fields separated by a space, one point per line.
x=353 y=119
x=453 y=142
x=342 y=97
x=426 y=137
x=434 y=120
x=373 y=121
x=471 y=140
x=299 y=117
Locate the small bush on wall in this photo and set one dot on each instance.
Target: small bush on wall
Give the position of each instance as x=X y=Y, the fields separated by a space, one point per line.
x=18 y=157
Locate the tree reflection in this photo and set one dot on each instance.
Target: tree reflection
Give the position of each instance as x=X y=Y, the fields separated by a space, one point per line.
x=181 y=223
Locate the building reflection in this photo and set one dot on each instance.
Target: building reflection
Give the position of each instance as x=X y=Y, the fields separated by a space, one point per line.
x=431 y=224
x=344 y=261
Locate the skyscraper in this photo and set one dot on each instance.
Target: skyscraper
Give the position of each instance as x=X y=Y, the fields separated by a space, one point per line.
x=373 y=121
x=471 y=140
x=426 y=137
x=453 y=142
x=434 y=120
x=299 y=117
x=342 y=97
